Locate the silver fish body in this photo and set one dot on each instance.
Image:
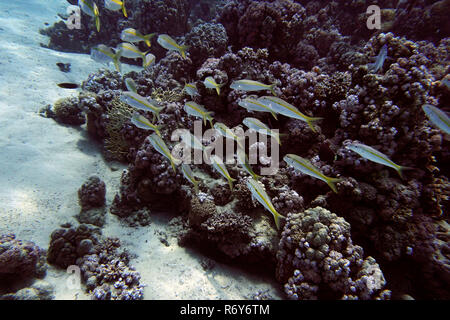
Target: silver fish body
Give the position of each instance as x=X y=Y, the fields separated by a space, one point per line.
x=437 y=117
x=210 y=83
x=196 y=110
x=219 y=166
x=255 y=105
x=251 y=85
x=106 y=55
x=139 y=102
x=133 y=35
x=160 y=146
x=283 y=107
x=259 y=194
x=260 y=127
x=130 y=51
x=305 y=166
x=143 y=123
x=189 y=175
x=168 y=43
x=378 y=64
x=376 y=156
x=131 y=85
x=191 y=89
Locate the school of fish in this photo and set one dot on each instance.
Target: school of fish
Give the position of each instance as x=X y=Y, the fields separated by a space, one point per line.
x=272 y=104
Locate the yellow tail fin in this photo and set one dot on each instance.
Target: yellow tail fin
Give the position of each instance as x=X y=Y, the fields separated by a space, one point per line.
x=272 y=89
x=116 y=60
x=124 y=10
x=400 y=170
x=147 y=38
x=183 y=51
x=196 y=187
x=97 y=17
x=311 y=121
x=332 y=183
x=278 y=217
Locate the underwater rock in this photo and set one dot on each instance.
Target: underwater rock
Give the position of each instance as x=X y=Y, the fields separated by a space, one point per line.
x=200 y=211
x=103 y=79
x=91 y=196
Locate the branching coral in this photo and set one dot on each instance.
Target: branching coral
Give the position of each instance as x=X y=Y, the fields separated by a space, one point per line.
x=118 y=114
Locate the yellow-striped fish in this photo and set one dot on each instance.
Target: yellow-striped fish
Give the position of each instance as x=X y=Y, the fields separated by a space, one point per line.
x=130 y=51
x=194 y=109
x=148 y=60
x=282 y=107
x=251 y=85
x=189 y=175
x=131 y=85
x=244 y=162
x=374 y=155
x=308 y=168
x=160 y=146
x=259 y=194
x=139 y=102
x=142 y=122
x=115 y=5
x=168 y=43
x=133 y=35
x=228 y=133
x=260 y=127
x=437 y=117
x=255 y=105
x=191 y=89
x=90 y=8
x=104 y=54
x=210 y=83
x=218 y=164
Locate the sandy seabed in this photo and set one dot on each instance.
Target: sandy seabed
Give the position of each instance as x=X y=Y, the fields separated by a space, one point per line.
x=43 y=164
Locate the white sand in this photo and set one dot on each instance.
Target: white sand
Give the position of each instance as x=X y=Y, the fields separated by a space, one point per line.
x=43 y=164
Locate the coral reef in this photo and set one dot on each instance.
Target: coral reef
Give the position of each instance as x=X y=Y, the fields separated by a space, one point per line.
x=317 y=259
x=68 y=111
x=92 y=193
x=21 y=258
x=317 y=54
x=91 y=196
x=22 y=265
x=104 y=269
x=39 y=290
x=206 y=40
x=69 y=243
x=107 y=273
x=170 y=16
